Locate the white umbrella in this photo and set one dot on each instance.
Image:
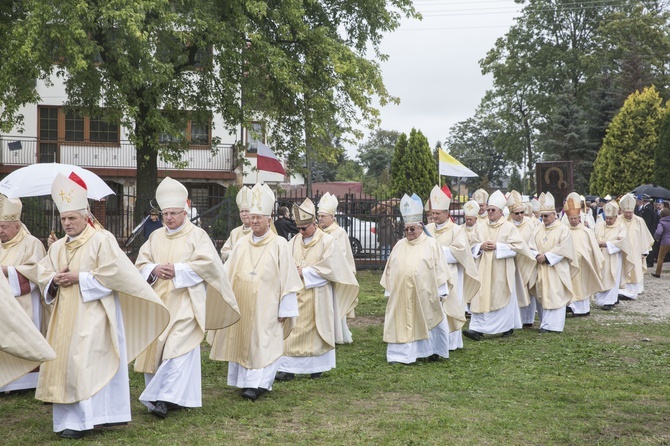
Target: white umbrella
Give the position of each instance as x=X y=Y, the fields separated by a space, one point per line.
x=36 y=180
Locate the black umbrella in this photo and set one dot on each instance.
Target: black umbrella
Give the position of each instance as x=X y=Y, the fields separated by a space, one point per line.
x=653 y=191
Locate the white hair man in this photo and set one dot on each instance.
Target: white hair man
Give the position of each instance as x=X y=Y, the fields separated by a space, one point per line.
x=104 y=315
x=551 y=282
x=587 y=282
x=458 y=254
x=495 y=309
x=525 y=225
x=181 y=264
x=310 y=348
x=265 y=282
x=416 y=281
x=641 y=242
x=615 y=247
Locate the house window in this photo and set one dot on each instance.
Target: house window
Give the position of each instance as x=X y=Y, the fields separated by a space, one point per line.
x=254 y=136
x=56 y=124
x=195 y=133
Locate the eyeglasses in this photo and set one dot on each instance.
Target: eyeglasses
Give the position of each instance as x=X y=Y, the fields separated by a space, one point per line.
x=303 y=229
x=545 y=215
x=491 y=210
x=411 y=229
x=172 y=214
x=517 y=213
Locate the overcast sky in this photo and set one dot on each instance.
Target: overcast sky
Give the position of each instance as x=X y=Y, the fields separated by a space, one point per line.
x=433 y=64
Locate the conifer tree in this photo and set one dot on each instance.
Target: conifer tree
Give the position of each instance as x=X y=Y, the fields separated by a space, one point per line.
x=626 y=159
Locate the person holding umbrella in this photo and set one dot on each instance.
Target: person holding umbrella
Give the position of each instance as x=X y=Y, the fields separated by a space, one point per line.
x=662 y=235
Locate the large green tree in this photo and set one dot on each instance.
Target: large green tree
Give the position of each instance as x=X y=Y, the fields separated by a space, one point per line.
x=597 y=52
x=626 y=159
x=309 y=69
x=413 y=169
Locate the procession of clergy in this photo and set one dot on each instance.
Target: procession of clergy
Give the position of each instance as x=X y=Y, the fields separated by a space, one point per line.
x=73 y=317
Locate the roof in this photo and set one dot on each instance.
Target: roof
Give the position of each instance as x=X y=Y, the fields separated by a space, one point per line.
x=337 y=188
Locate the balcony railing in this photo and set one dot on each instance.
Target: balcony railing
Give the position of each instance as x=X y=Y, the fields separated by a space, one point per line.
x=25 y=150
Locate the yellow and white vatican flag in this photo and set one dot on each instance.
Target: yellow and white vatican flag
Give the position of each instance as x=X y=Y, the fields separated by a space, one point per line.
x=451 y=167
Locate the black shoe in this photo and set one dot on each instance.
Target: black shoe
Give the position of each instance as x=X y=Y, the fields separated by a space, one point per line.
x=508 y=333
x=315 y=375
x=474 y=335
x=569 y=310
x=544 y=330
x=73 y=434
x=588 y=313
x=658 y=276
x=433 y=358
x=622 y=297
x=527 y=325
x=253 y=394
x=122 y=423
x=607 y=307
x=160 y=410
x=284 y=376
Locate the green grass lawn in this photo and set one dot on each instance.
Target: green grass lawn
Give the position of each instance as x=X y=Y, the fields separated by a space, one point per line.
x=604 y=383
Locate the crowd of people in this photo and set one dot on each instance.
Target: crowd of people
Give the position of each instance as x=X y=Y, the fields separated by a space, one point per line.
x=514 y=263
x=274 y=301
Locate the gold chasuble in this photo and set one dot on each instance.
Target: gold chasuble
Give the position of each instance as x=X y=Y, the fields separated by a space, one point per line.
x=84 y=334
x=414 y=272
x=342 y=243
x=640 y=240
x=261 y=274
x=235 y=235
x=616 y=234
x=455 y=238
x=473 y=234
x=587 y=282
x=22 y=347
x=526 y=229
x=498 y=275
x=552 y=284
x=24 y=252
x=314 y=332
x=209 y=305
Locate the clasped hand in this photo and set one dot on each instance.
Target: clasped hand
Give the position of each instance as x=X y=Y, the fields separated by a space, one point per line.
x=488 y=246
x=165 y=271
x=66 y=278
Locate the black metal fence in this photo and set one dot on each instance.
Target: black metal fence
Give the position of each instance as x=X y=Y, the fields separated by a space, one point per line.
x=373 y=224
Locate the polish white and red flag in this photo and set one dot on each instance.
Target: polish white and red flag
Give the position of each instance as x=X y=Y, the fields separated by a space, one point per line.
x=266 y=160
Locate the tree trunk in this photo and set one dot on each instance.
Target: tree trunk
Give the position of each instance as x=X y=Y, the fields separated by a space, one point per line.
x=147 y=165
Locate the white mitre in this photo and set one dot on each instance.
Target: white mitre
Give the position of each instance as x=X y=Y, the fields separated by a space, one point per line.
x=171 y=194
x=328 y=204
x=69 y=193
x=471 y=208
x=439 y=200
x=305 y=213
x=498 y=200
x=611 y=209
x=411 y=210
x=10 y=208
x=547 y=203
x=243 y=199
x=481 y=196
x=262 y=200
x=627 y=203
